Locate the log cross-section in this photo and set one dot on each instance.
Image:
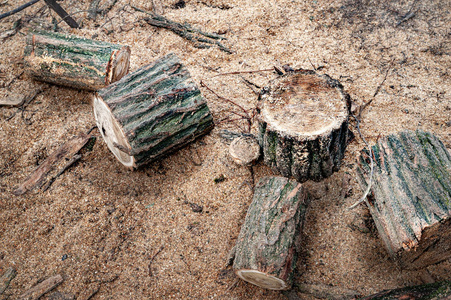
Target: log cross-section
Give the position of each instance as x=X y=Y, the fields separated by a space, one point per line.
x=153 y=111
x=303 y=125
x=410 y=198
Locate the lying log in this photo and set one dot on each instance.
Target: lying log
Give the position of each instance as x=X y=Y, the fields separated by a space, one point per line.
x=303 y=125
x=151 y=112
x=410 y=198
x=73 y=61
x=267 y=246
x=432 y=291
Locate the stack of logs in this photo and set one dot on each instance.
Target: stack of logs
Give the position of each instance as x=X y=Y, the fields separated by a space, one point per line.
x=303 y=132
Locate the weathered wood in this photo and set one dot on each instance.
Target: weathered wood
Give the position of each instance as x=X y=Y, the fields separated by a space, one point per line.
x=432 y=291
x=267 y=246
x=151 y=112
x=410 y=198
x=244 y=150
x=6 y=278
x=73 y=61
x=303 y=125
x=42 y=288
x=68 y=150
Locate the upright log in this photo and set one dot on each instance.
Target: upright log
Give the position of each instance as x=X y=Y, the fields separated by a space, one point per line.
x=73 y=61
x=303 y=125
x=151 y=112
x=410 y=198
x=267 y=246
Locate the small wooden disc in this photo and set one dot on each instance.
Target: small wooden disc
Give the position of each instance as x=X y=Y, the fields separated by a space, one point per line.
x=262 y=280
x=244 y=150
x=118 y=65
x=112 y=132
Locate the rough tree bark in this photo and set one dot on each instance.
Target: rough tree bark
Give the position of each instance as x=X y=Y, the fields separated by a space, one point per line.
x=73 y=61
x=303 y=125
x=410 y=198
x=151 y=112
x=267 y=246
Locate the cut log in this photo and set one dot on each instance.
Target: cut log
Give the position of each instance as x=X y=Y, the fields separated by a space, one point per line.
x=73 y=61
x=303 y=125
x=410 y=198
x=267 y=246
x=432 y=291
x=151 y=112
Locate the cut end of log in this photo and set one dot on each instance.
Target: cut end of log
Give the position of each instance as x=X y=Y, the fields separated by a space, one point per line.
x=119 y=65
x=262 y=280
x=112 y=132
x=244 y=150
x=304 y=105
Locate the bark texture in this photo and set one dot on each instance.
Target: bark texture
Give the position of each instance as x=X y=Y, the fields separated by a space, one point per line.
x=303 y=125
x=410 y=198
x=73 y=61
x=432 y=291
x=267 y=246
x=151 y=112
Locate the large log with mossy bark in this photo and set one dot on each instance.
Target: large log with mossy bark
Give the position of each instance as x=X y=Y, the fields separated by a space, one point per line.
x=267 y=246
x=76 y=62
x=431 y=291
x=151 y=112
x=410 y=197
x=303 y=125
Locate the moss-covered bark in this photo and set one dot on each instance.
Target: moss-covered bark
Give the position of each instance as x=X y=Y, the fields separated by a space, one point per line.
x=267 y=246
x=151 y=112
x=73 y=61
x=410 y=199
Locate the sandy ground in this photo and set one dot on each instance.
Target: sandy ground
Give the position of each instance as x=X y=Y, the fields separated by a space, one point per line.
x=113 y=233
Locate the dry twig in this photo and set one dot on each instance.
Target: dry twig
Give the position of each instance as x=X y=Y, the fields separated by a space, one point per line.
x=20 y=8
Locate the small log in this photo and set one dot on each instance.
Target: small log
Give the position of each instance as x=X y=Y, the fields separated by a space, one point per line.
x=267 y=246
x=151 y=112
x=432 y=291
x=42 y=288
x=410 y=198
x=303 y=125
x=73 y=61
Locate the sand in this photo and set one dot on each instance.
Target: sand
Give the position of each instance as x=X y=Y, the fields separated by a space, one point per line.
x=113 y=233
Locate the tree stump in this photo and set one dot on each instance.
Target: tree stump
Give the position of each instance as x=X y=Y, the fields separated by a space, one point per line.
x=73 y=61
x=303 y=125
x=151 y=112
x=267 y=246
x=410 y=198
x=432 y=291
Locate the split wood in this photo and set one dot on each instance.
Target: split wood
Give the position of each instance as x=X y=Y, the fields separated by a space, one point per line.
x=67 y=151
x=42 y=288
x=199 y=38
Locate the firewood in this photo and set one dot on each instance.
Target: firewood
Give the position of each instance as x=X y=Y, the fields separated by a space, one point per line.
x=73 y=61
x=269 y=240
x=151 y=112
x=303 y=125
x=410 y=198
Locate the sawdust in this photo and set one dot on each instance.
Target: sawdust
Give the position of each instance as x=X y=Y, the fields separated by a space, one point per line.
x=118 y=234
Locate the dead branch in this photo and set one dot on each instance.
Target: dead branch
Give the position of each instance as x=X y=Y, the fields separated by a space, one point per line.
x=244 y=72
x=201 y=39
x=20 y=8
x=152 y=259
x=66 y=151
x=22 y=105
x=41 y=288
x=6 y=279
x=62 y=13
